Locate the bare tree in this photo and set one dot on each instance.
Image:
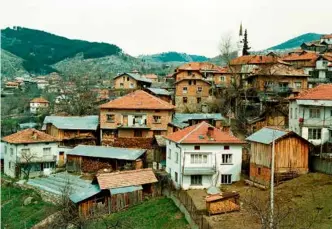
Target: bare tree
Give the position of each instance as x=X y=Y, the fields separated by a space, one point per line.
x=27 y=160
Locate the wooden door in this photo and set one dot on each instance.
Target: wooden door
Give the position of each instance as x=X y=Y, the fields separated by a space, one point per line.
x=61 y=158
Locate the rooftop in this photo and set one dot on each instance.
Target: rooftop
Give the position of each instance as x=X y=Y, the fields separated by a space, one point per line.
x=73 y=122
x=159 y=91
x=39 y=100
x=138 y=100
x=107 y=152
x=151 y=76
x=135 y=76
x=29 y=136
x=254 y=59
x=181 y=119
x=200 y=66
x=126 y=178
x=320 y=92
x=278 y=70
x=266 y=135
x=199 y=134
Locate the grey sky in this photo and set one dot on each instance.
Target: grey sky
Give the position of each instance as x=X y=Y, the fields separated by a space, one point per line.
x=153 y=26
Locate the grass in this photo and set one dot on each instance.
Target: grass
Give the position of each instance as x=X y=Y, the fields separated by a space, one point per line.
x=158 y=213
x=13 y=212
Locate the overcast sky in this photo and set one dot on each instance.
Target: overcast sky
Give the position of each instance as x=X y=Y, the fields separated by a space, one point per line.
x=153 y=26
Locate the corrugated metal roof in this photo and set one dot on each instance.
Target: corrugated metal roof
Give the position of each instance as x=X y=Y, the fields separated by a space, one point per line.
x=181 y=119
x=73 y=122
x=161 y=141
x=27 y=125
x=85 y=193
x=159 y=91
x=266 y=135
x=125 y=189
x=107 y=152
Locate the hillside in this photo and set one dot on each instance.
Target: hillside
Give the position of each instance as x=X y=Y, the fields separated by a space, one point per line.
x=296 y=41
x=173 y=57
x=11 y=65
x=40 y=49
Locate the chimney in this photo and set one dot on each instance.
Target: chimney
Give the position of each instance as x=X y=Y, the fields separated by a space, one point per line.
x=34 y=135
x=210 y=132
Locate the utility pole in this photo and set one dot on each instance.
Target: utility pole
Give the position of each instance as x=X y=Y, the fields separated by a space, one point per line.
x=272 y=182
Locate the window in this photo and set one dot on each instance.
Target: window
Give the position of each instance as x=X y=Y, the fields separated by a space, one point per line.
x=314 y=113
x=226 y=147
x=189 y=82
x=315 y=133
x=25 y=151
x=291 y=113
x=138 y=133
x=169 y=154
x=184 y=90
x=199 y=100
x=176 y=157
x=226 y=178
x=110 y=117
x=197 y=147
x=138 y=119
x=194 y=82
x=331 y=113
x=5 y=149
x=157 y=132
x=47 y=151
x=226 y=158
x=131 y=85
x=298 y=85
x=170 y=171
x=196 y=180
x=268 y=84
x=156 y=119
x=199 y=89
x=222 y=78
x=48 y=165
x=259 y=171
x=185 y=99
x=10 y=165
x=37 y=167
x=127 y=78
x=121 y=84
x=295 y=114
x=198 y=158
x=189 y=73
x=11 y=151
x=176 y=176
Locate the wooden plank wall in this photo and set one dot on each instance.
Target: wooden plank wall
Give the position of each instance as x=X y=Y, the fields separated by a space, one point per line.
x=260 y=154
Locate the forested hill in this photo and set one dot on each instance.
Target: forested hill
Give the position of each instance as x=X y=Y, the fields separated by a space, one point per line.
x=40 y=49
x=296 y=41
x=173 y=57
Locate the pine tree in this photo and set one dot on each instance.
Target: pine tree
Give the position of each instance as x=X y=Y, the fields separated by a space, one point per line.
x=246 y=48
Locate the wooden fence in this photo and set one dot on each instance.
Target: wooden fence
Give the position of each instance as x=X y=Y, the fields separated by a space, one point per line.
x=198 y=216
x=323 y=165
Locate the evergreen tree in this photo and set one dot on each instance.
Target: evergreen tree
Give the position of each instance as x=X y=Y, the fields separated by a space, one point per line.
x=246 y=48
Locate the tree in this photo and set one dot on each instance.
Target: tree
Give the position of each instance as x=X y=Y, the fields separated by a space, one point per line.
x=246 y=47
x=26 y=163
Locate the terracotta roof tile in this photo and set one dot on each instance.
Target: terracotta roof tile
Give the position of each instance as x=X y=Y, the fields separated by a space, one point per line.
x=126 y=178
x=199 y=134
x=200 y=66
x=29 y=136
x=254 y=59
x=301 y=56
x=138 y=100
x=279 y=70
x=320 y=92
x=39 y=100
x=327 y=36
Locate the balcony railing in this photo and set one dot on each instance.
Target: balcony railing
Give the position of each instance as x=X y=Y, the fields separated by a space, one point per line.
x=32 y=159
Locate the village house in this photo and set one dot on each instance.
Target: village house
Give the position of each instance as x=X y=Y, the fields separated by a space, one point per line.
x=310 y=114
x=91 y=159
x=152 y=77
x=12 y=85
x=29 y=152
x=326 y=39
x=160 y=93
x=291 y=155
x=135 y=115
x=202 y=156
x=314 y=46
x=38 y=104
x=116 y=191
x=72 y=131
x=131 y=81
x=42 y=83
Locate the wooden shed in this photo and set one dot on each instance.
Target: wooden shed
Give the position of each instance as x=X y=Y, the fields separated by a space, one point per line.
x=222 y=203
x=291 y=155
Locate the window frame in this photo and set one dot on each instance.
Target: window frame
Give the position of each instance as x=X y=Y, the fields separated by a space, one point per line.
x=314 y=113
x=156 y=118
x=169 y=154
x=199 y=89
x=196 y=180
x=138 y=133
x=226 y=178
x=110 y=120
x=184 y=90
x=314 y=133
x=50 y=151
x=185 y=99
x=199 y=100
x=198 y=158
x=227 y=147
x=226 y=159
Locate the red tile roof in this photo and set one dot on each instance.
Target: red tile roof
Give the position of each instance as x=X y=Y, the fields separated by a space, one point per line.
x=126 y=178
x=192 y=79
x=320 y=92
x=151 y=76
x=200 y=66
x=198 y=134
x=301 y=56
x=327 y=36
x=254 y=59
x=138 y=100
x=29 y=136
x=39 y=100
x=278 y=70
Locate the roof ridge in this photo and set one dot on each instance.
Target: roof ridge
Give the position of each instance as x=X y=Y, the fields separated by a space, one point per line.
x=156 y=98
x=197 y=127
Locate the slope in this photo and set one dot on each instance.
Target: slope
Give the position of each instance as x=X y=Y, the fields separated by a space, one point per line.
x=173 y=57
x=11 y=65
x=296 y=41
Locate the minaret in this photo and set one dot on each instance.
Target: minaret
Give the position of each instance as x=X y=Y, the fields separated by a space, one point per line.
x=240 y=42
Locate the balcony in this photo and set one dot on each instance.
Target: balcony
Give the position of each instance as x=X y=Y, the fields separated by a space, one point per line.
x=199 y=170
x=32 y=159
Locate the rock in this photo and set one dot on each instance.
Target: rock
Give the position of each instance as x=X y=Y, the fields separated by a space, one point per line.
x=28 y=200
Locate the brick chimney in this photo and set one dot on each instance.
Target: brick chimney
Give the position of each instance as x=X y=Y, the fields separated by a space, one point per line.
x=210 y=132
x=34 y=135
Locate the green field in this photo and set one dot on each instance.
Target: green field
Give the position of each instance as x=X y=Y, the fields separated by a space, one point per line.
x=13 y=212
x=158 y=213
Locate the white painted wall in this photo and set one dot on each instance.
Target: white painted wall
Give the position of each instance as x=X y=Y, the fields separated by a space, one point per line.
x=36 y=149
x=326 y=40
x=34 y=107
x=214 y=159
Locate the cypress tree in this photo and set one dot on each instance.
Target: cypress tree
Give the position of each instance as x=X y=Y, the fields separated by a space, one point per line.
x=245 y=50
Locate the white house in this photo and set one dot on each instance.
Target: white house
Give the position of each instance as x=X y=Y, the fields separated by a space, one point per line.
x=38 y=103
x=326 y=39
x=310 y=114
x=29 y=149
x=202 y=156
